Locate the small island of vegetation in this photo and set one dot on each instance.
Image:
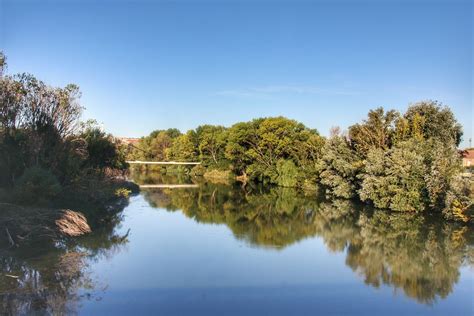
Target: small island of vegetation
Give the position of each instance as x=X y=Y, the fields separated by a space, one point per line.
x=400 y=162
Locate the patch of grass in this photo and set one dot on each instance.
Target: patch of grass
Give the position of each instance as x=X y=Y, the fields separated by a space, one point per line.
x=218 y=176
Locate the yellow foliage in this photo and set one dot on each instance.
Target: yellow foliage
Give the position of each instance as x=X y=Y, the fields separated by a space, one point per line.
x=458 y=210
x=122 y=192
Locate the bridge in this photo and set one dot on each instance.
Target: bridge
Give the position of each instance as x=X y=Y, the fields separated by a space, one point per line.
x=138 y=162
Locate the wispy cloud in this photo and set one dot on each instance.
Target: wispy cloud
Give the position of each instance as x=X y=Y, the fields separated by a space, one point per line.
x=269 y=91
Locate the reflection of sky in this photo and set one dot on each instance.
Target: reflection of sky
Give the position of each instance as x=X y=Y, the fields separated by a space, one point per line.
x=175 y=251
x=171 y=260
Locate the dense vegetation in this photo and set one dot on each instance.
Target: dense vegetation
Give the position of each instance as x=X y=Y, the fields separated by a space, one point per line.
x=406 y=162
x=48 y=157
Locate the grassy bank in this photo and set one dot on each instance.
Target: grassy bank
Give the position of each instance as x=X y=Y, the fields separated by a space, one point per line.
x=78 y=209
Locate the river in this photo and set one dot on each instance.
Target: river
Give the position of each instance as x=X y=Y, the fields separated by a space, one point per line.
x=224 y=249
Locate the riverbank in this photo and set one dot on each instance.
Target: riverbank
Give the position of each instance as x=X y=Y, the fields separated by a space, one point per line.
x=78 y=210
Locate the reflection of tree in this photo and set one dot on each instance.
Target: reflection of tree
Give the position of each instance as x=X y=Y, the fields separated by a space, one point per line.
x=408 y=252
x=275 y=218
x=48 y=279
x=419 y=255
x=156 y=177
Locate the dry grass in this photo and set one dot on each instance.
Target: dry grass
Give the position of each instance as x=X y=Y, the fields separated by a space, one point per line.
x=20 y=224
x=72 y=224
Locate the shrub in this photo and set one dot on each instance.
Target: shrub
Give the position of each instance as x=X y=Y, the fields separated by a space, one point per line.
x=36 y=185
x=198 y=171
x=459 y=202
x=122 y=192
x=218 y=174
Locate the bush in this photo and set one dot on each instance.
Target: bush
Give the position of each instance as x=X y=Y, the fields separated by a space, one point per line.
x=459 y=202
x=198 y=171
x=218 y=174
x=36 y=185
x=123 y=192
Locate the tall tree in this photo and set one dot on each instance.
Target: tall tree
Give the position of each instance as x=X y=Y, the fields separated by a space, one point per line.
x=374 y=132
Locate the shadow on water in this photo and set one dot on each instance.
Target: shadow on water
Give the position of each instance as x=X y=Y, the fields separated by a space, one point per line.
x=419 y=255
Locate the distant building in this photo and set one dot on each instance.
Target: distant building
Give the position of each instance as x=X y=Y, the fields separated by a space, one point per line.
x=128 y=140
x=468 y=158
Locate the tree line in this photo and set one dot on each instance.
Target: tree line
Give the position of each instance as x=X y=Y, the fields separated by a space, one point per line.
x=396 y=161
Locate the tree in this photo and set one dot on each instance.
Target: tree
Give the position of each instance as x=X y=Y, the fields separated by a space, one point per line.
x=212 y=141
x=255 y=147
x=183 y=148
x=430 y=119
x=3 y=63
x=155 y=145
x=37 y=123
x=339 y=167
x=395 y=179
x=374 y=132
x=102 y=151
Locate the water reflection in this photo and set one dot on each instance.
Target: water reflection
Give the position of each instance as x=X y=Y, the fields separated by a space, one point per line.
x=53 y=278
x=419 y=255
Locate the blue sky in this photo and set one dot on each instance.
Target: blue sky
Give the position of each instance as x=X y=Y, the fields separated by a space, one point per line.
x=145 y=65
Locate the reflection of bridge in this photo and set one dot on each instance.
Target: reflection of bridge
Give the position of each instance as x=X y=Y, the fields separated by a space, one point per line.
x=138 y=162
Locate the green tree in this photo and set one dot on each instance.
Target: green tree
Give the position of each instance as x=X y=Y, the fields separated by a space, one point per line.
x=395 y=179
x=430 y=119
x=102 y=150
x=212 y=141
x=375 y=132
x=183 y=148
x=339 y=167
x=255 y=147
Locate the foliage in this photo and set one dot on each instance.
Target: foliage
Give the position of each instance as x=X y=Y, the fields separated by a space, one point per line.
x=416 y=168
x=123 y=192
x=154 y=146
x=102 y=151
x=458 y=200
x=401 y=162
x=211 y=144
x=395 y=179
x=36 y=185
x=217 y=174
x=37 y=126
x=255 y=147
x=430 y=120
x=339 y=167
x=288 y=174
x=375 y=132
x=44 y=156
x=183 y=148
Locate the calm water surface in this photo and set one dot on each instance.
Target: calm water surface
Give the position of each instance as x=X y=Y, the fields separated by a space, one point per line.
x=225 y=250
